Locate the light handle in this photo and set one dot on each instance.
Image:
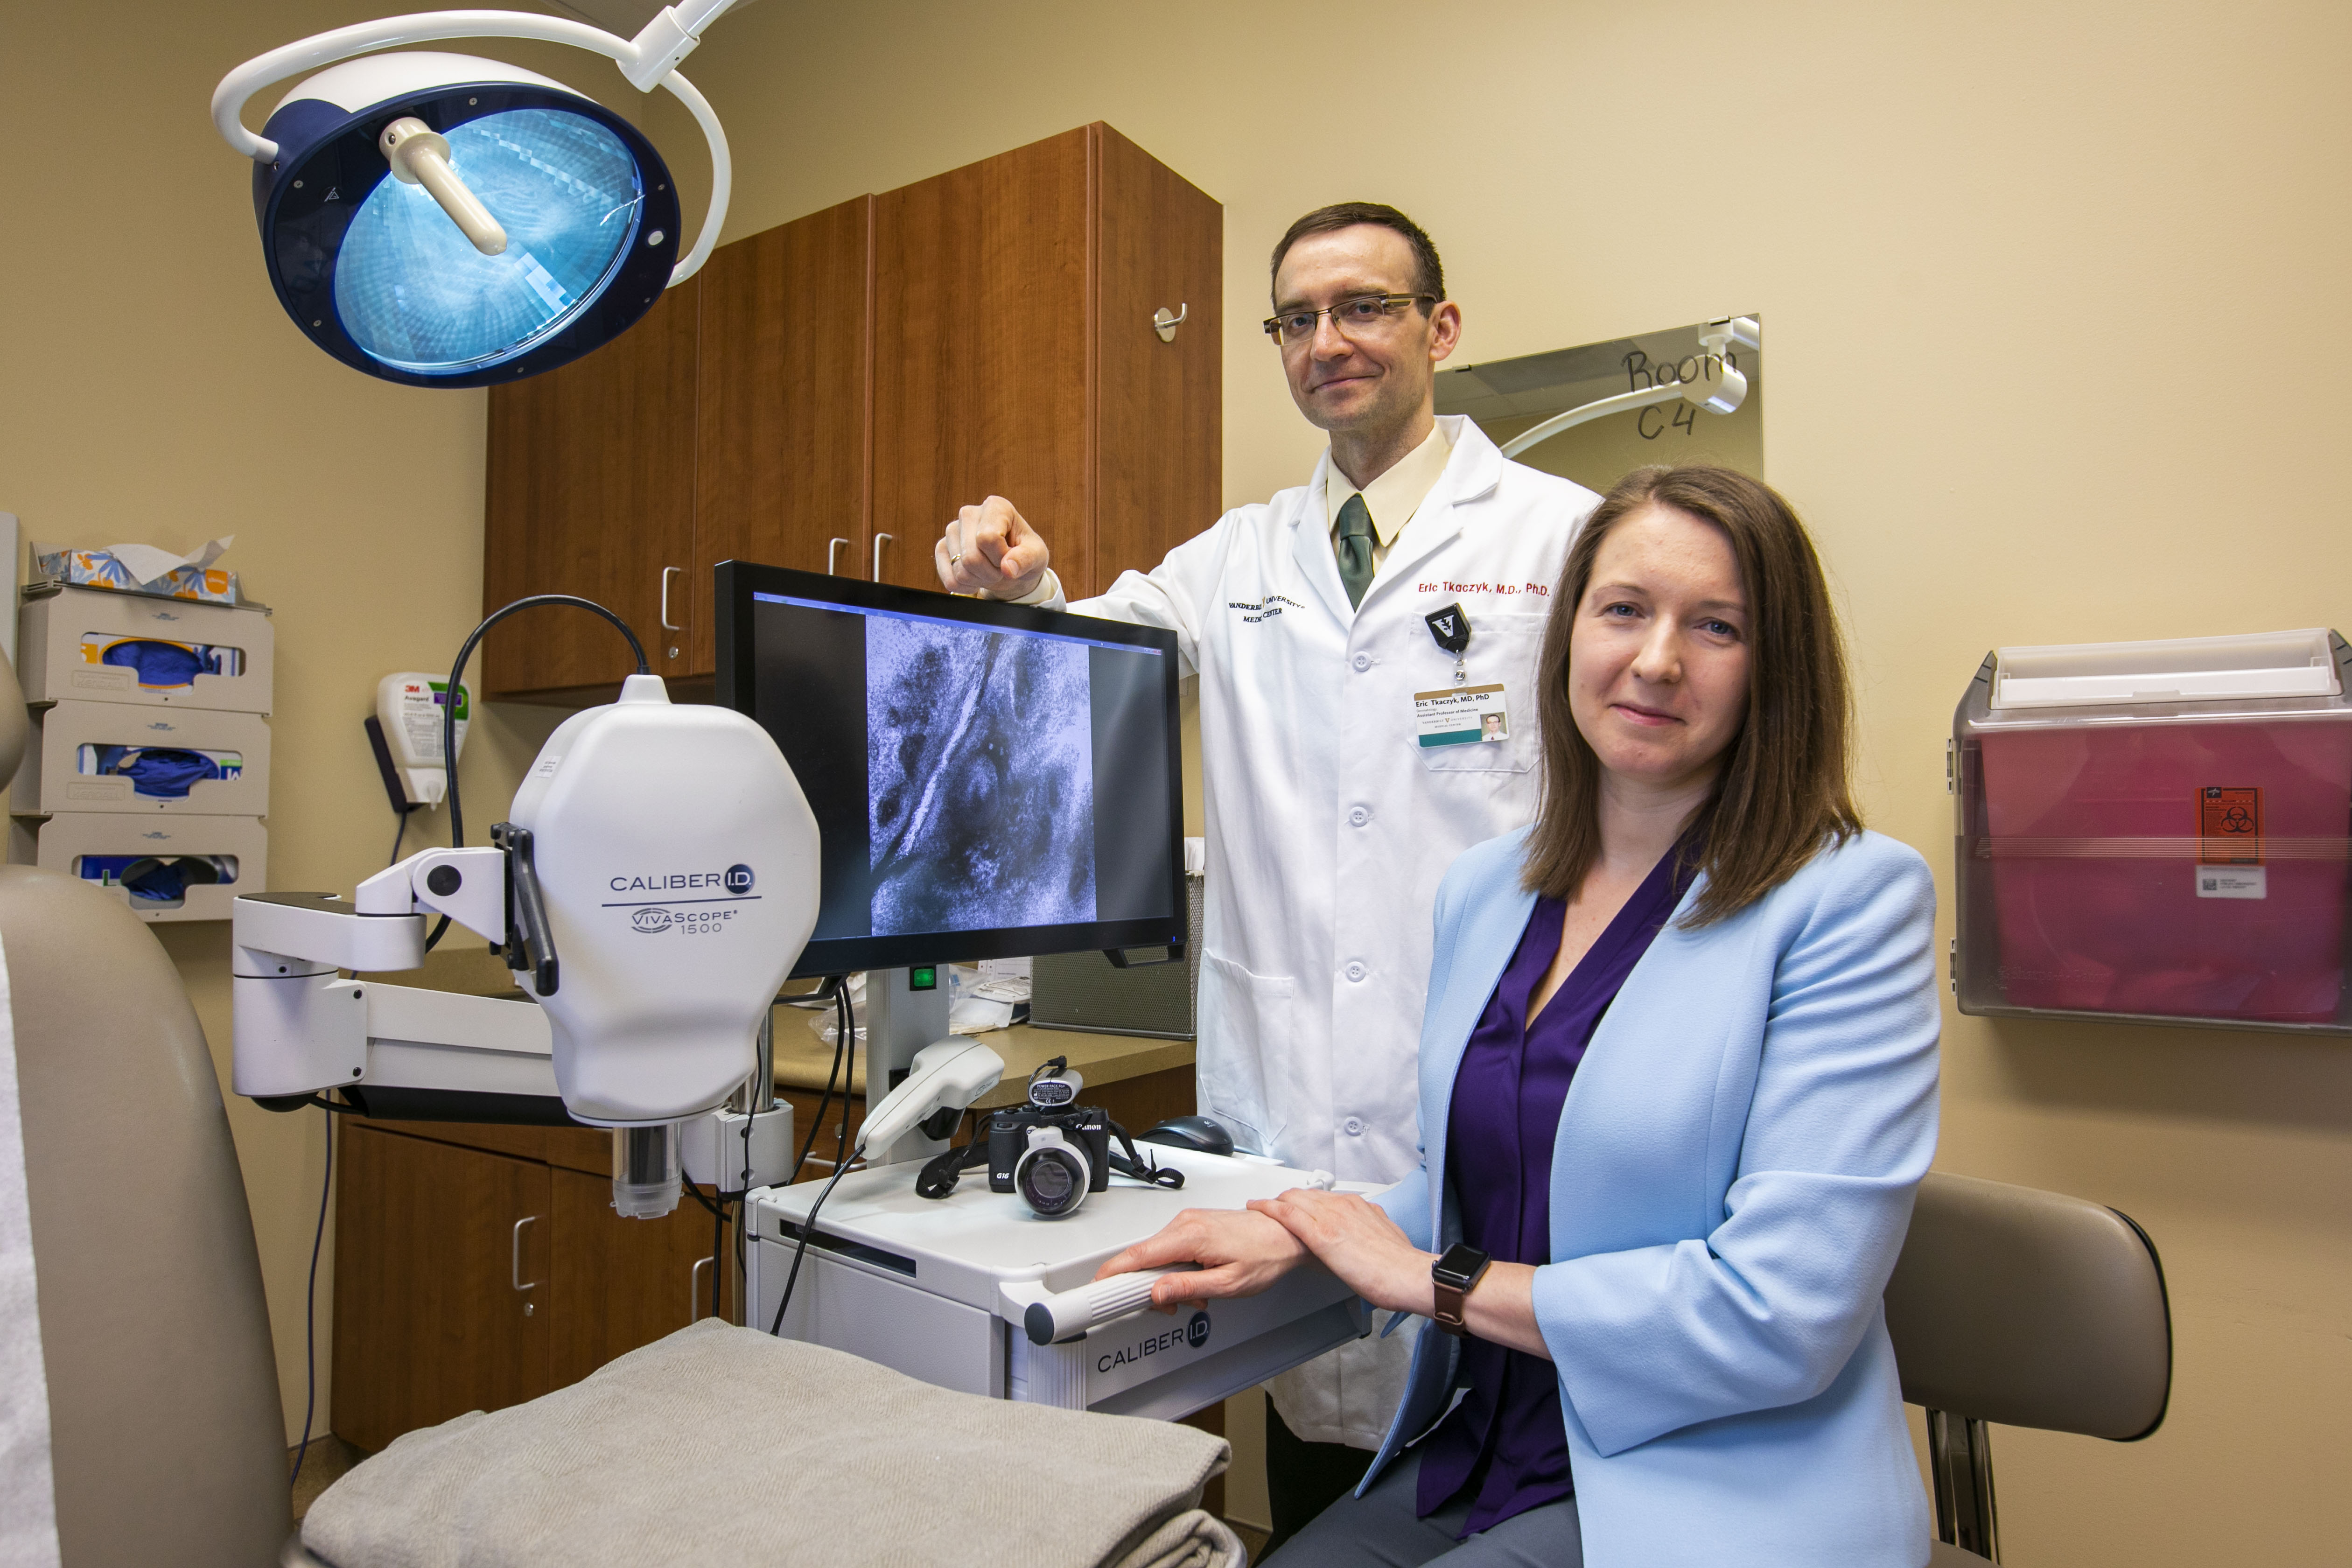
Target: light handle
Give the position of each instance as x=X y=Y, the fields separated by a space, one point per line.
x=419 y=155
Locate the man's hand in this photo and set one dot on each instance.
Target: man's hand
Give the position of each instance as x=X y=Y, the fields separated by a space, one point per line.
x=990 y=549
x=1240 y=1254
x=1357 y=1241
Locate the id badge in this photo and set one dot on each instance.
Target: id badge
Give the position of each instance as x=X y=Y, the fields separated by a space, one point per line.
x=1462 y=715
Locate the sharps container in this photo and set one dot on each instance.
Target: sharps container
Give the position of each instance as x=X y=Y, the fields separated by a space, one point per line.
x=2156 y=831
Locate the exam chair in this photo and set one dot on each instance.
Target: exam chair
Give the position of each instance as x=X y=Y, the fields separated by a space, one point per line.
x=167 y=1437
x=2029 y=1308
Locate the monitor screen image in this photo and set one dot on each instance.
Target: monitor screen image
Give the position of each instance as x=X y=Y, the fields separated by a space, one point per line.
x=989 y=780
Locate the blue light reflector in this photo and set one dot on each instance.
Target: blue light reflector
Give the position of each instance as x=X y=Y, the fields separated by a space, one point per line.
x=413 y=291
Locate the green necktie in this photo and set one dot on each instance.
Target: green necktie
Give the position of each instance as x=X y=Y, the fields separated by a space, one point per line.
x=1355 y=548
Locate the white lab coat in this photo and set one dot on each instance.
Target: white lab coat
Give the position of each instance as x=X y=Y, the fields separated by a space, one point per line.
x=1329 y=824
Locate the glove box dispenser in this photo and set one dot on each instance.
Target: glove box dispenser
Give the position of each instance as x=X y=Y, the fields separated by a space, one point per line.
x=96 y=644
x=164 y=868
x=2157 y=832
x=113 y=756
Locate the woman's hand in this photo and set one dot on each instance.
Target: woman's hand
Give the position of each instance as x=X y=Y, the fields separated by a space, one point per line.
x=1357 y=1241
x=1240 y=1254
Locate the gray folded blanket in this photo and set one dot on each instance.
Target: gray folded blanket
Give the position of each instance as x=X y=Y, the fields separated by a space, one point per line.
x=719 y=1444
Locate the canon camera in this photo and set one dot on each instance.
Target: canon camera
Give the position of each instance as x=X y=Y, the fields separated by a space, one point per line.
x=1052 y=1151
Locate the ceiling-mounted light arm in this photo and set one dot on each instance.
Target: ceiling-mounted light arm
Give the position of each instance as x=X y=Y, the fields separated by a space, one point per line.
x=722 y=175
x=1722 y=394
x=648 y=61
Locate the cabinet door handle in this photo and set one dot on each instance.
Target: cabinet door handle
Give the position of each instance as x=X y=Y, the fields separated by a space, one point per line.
x=831 y=551
x=515 y=1259
x=694 y=1291
x=1165 y=324
x=664 y=599
x=879 y=540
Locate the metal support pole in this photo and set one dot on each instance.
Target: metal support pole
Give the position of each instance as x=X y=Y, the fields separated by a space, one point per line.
x=1959 y=1454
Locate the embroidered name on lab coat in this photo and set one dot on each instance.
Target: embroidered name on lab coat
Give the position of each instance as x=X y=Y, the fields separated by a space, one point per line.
x=1540 y=590
x=1262 y=611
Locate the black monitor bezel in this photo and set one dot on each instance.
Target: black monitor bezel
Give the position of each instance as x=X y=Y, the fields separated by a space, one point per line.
x=737 y=676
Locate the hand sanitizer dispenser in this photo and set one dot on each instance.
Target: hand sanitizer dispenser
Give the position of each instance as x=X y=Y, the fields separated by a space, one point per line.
x=408 y=709
x=2156 y=831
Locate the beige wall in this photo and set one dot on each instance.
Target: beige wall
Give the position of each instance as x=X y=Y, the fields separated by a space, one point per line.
x=150 y=389
x=2049 y=289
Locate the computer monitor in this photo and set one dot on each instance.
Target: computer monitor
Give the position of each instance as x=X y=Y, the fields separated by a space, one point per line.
x=989 y=780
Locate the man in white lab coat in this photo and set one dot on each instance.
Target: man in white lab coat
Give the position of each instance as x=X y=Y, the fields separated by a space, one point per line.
x=1349 y=746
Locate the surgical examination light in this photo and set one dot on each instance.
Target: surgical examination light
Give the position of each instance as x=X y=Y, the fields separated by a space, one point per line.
x=444 y=220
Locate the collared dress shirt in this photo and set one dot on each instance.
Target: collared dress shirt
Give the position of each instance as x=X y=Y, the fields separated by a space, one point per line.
x=1505 y=1441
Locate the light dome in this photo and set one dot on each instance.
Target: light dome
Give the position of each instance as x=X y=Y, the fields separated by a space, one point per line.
x=375 y=270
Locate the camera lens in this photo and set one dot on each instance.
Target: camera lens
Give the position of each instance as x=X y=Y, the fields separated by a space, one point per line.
x=1052 y=1179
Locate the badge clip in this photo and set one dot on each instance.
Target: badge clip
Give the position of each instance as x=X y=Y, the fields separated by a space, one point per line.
x=1450 y=629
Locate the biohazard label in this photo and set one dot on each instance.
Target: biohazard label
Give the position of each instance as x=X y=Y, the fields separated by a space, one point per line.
x=2228 y=827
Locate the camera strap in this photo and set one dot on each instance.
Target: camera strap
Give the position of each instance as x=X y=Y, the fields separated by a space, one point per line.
x=940 y=1173
x=1132 y=1165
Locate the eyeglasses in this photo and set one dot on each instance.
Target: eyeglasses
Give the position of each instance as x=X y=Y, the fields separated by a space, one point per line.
x=1357 y=317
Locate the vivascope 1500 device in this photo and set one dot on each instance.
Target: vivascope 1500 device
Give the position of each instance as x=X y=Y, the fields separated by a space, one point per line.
x=1052 y=1151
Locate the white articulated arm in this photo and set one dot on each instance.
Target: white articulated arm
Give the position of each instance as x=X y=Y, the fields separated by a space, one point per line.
x=301 y=1028
x=470 y=885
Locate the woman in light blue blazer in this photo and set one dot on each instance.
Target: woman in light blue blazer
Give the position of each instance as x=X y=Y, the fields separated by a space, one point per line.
x=1678 y=1088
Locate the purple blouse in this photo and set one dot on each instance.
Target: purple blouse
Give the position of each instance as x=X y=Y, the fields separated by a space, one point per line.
x=1504 y=1443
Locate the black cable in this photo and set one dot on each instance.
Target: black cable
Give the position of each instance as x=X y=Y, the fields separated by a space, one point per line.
x=808 y=1229
x=311 y=1309
x=837 y=986
x=449 y=702
x=743 y=1203
x=687 y=1187
x=399 y=834
x=848 y=1084
x=717 y=1250
x=847 y=1036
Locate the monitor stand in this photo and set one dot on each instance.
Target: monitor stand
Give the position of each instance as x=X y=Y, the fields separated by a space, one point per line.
x=905 y=1009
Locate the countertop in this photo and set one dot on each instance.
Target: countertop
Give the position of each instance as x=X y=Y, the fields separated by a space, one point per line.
x=803 y=1060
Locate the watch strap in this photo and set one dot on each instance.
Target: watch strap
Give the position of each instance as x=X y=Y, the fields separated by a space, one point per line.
x=1451 y=1286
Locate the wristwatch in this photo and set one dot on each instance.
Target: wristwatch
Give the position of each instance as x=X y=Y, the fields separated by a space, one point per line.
x=1456 y=1275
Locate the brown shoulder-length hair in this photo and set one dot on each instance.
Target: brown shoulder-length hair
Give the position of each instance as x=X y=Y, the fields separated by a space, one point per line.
x=1782 y=794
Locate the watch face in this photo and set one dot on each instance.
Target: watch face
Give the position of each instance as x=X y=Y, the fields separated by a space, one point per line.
x=1460 y=1264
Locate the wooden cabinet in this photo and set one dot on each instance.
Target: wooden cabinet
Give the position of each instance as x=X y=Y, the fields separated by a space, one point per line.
x=621 y=1283
x=590 y=491
x=480 y=1267
x=1016 y=355
x=432 y=1241
x=781 y=427
x=855 y=375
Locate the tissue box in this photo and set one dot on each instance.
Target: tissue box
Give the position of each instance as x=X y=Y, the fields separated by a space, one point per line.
x=75 y=753
x=100 y=569
x=63 y=635
x=100 y=847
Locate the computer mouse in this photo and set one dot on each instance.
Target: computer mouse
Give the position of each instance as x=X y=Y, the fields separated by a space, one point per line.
x=1204 y=1133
